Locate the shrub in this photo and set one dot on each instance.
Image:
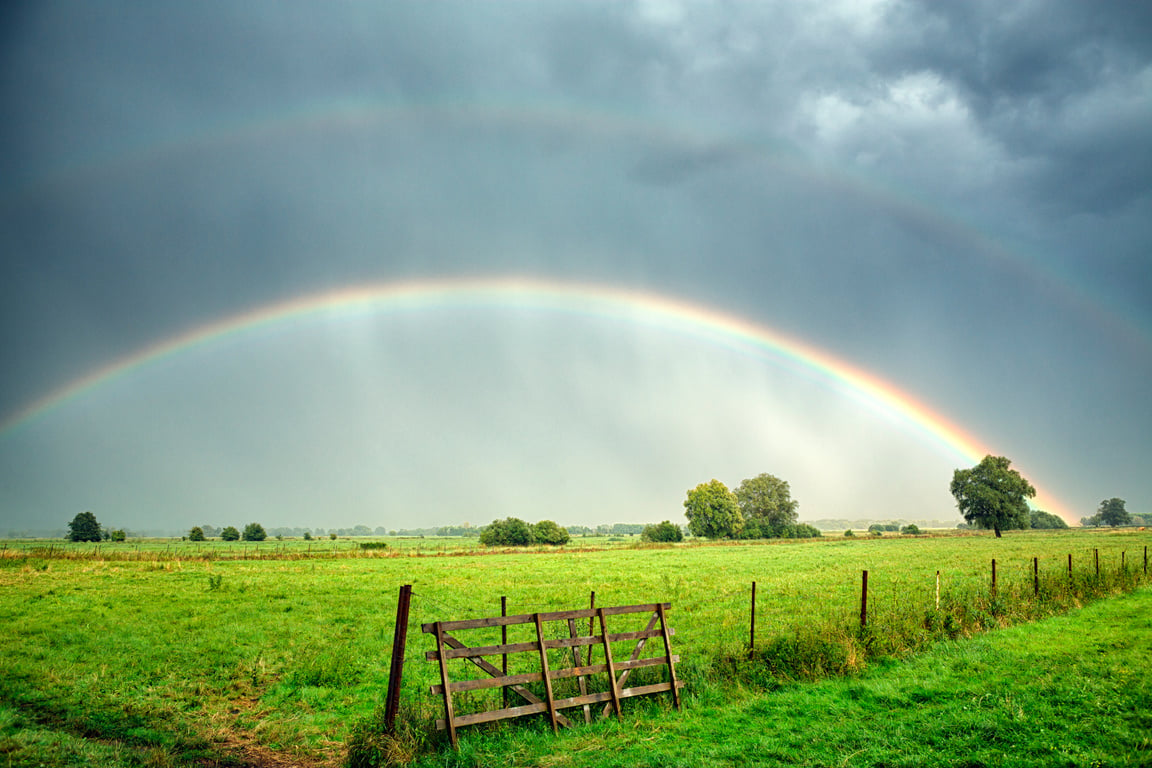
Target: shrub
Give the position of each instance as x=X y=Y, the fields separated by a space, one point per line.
x=665 y=531
x=307 y=536
x=848 y=534
x=196 y=533
x=118 y=535
x=910 y=530
x=230 y=534
x=509 y=532
x=254 y=532
x=547 y=532
x=800 y=531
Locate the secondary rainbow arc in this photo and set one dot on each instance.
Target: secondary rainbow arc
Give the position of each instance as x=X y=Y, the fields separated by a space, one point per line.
x=630 y=305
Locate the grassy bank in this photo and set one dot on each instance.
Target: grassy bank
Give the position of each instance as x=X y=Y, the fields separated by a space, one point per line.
x=169 y=660
x=1072 y=690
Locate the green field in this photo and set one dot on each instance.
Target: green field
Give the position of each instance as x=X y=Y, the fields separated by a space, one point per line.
x=170 y=653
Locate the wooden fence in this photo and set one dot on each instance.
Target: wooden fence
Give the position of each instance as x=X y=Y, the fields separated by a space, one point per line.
x=615 y=672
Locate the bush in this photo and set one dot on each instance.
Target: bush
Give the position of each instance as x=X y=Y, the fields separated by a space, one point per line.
x=665 y=531
x=800 y=531
x=118 y=535
x=254 y=532
x=910 y=530
x=230 y=534
x=547 y=532
x=307 y=536
x=848 y=534
x=196 y=533
x=509 y=532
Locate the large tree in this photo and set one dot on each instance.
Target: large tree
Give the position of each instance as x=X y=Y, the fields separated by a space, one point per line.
x=1112 y=512
x=766 y=504
x=990 y=495
x=713 y=512
x=84 y=527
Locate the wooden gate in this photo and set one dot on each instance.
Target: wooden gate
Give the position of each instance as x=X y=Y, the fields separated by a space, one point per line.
x=615 y=672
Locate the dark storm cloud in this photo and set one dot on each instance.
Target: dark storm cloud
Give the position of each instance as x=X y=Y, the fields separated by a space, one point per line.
x=1063 y=86
x=955 y=196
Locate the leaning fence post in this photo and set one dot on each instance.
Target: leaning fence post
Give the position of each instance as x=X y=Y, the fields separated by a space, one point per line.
x=504 y=656
x=396 y=668
x=864 y=600
x=752 y=630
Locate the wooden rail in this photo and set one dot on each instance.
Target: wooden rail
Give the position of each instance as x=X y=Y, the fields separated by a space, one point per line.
x=615 y=672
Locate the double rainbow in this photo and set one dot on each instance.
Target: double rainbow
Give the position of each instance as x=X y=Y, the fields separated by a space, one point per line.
x=579 y=298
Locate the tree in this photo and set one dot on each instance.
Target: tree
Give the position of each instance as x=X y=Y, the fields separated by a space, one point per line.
x=254 y=532
x=196 y=533
x=713 y=511
x=991 y=495
x=1046 y=520
x=665 y=531
x=509 y=532
x=910 y=530
x=84 y=527
x=118 y=535
x=547 y=532
x=230 y=534
x=1111 y=512
x=767 y=501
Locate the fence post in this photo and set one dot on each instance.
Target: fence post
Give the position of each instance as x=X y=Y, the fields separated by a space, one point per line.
x=993 y=578
x=864 y=600
x=396 y=668
x=1123 y=567
x=504 y=656
x=1069 y=566
x=1035 y=577
x=1145 y=559
x=752 y=630
x=937 y=589
x=1096 y=552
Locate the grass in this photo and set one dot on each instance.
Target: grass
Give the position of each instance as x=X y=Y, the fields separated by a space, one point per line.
x=1072 y=690
x=170 y=660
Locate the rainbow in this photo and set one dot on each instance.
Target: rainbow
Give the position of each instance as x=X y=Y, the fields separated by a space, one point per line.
x=585 y=123
x=579 y=298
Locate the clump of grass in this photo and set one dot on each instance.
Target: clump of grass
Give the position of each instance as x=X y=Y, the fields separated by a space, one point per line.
x=371 y=745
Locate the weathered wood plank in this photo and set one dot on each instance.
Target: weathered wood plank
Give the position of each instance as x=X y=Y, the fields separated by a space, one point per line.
x=668 y=653
x=635 y=655
x=447 y=688
x=465 y=651
x=576 y=701
x=529 y=618
x=555 y=674
x=547 y=678
x=492 y=669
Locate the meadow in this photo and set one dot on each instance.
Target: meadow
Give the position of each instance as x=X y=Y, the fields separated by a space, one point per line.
x=174 y=653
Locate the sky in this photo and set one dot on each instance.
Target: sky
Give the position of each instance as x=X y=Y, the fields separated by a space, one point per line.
x=411 y=264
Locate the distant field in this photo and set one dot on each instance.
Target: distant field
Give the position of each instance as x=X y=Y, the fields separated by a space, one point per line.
x=168 y=655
